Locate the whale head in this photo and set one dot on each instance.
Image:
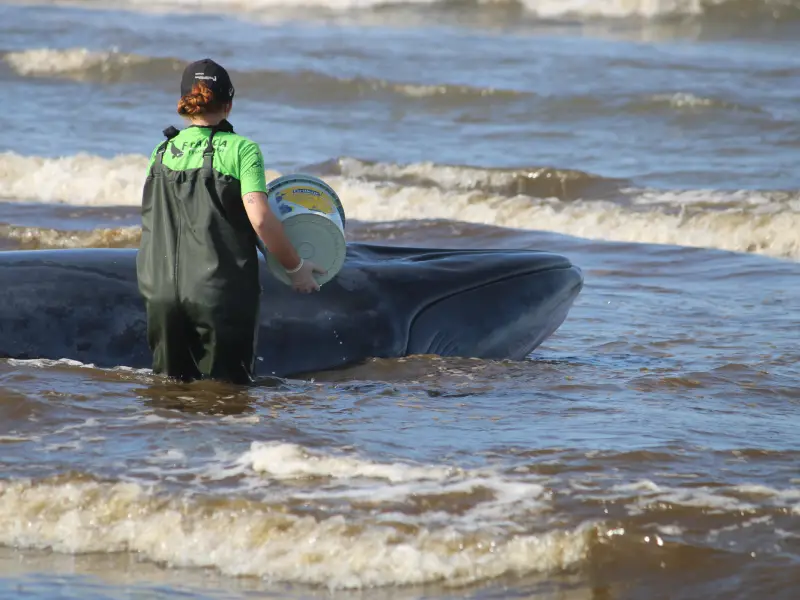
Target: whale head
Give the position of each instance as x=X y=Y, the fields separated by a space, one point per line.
x=498 y=304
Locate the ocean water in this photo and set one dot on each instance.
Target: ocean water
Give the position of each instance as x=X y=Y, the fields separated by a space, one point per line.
x=648 y=449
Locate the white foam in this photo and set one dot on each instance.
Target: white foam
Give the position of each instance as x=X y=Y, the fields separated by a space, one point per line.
x=542 y=8
x=69 y=362
x=291 y=461
x=354 y=479
x=87 y=423
x=38 y=237
x=724 y=228
x=246 y=419
x=673 y=530
x=81 y=179
x=380 y=538
x=616 y=8
x=684 y=100
x=768 y=492
x=40 y=62
x=738 y=221
x=73 y=445
x=83 y=64
x=449 y=177
x=13 y=439
x=787 y=534
x=786 y=498
x=45 y=362
x=744 y=498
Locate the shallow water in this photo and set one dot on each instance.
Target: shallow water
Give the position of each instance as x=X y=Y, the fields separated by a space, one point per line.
x=646 y=450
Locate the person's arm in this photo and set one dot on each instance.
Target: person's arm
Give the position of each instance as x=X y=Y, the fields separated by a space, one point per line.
x=254 y=196
x=270 y=229
x=267 y=225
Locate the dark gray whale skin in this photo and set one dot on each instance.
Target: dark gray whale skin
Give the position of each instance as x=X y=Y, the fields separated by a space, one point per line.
x=83 y=304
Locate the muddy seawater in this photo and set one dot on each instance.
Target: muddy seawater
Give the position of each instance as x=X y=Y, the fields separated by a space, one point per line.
x=648 y=449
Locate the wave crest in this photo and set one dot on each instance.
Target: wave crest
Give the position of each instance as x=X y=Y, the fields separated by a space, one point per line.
x=392 y=524
x=80 y=64
x=718 y=10
x=656 y=9
x=764 y=222
x=36 y=238
x=537 y=182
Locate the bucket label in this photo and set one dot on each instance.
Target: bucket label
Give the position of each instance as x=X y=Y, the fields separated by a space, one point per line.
x=308 y=198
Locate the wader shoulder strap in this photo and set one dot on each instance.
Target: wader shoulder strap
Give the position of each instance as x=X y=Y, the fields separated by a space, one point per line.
x=208 y=153
x=170 y=132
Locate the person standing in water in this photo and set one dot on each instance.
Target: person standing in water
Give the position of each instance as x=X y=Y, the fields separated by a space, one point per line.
x=204 y=206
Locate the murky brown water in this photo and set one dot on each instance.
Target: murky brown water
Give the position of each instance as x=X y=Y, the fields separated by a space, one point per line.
x=648 y=445
x=647 y=450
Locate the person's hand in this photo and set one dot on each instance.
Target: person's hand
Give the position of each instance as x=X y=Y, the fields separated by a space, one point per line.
x=303 y=279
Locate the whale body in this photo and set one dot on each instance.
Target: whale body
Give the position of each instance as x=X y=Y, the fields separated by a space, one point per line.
x=386 y=302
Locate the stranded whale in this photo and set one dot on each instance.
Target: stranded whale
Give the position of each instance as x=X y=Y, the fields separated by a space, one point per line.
x=83 y=304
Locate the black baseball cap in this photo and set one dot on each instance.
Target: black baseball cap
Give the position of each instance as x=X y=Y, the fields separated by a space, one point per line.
x=210 y=73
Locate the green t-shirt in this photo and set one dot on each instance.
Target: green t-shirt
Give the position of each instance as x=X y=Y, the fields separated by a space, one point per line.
x=234 y=155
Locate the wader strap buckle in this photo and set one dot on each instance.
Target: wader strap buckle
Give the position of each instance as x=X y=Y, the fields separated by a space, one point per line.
x=160 y=154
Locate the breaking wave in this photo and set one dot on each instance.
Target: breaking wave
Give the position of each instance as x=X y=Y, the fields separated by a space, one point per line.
x=112 y=66
x=731 y=9
x=537 y=182
x=35 y=238
x=384 y=524
x=734 y=10
x=288 y=513
x=561 y=201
